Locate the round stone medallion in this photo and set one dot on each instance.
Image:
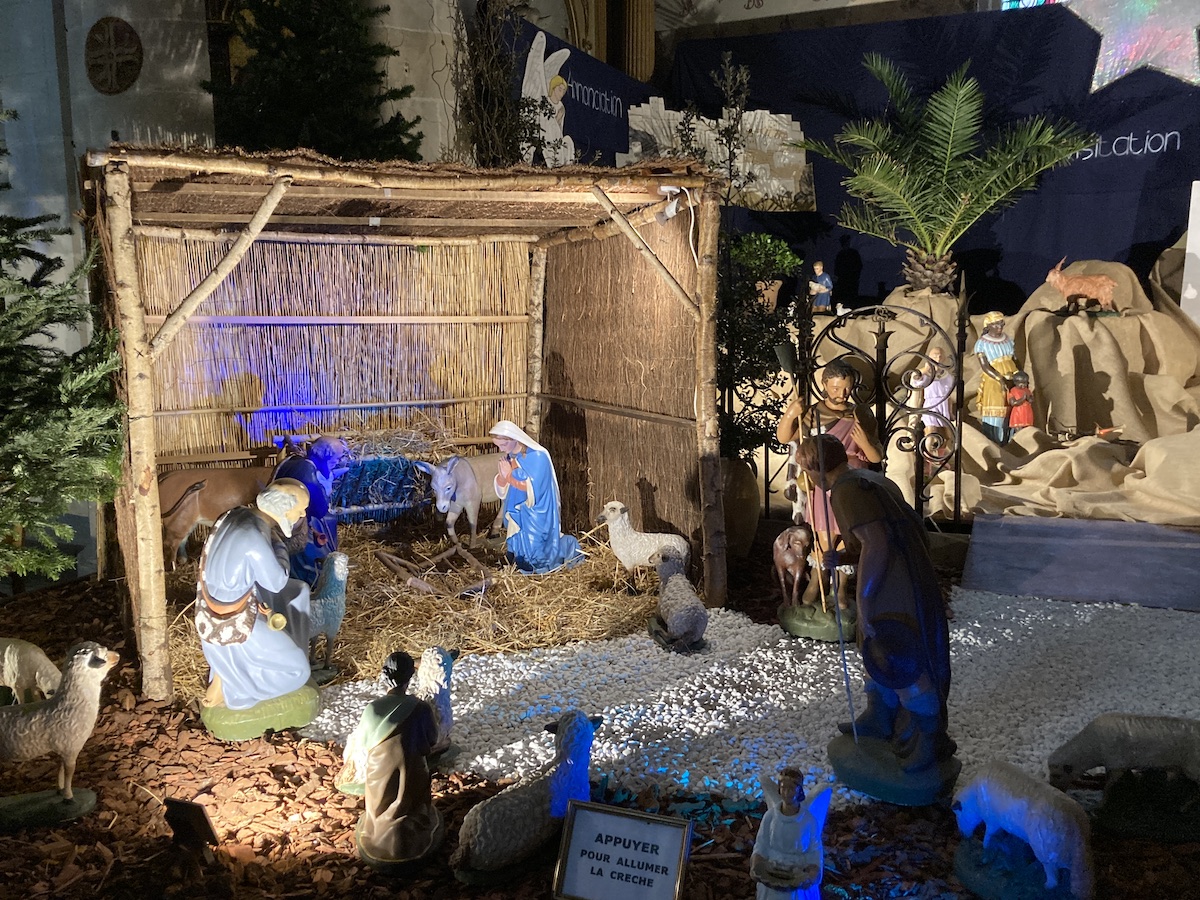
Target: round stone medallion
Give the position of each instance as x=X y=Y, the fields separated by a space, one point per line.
x=112 y=55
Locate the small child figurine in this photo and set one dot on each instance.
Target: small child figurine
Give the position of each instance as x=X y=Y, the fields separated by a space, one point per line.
x=1020 y=402
x=788 y=857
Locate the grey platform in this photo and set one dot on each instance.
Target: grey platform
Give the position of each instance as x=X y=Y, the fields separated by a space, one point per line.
x=1085 y=560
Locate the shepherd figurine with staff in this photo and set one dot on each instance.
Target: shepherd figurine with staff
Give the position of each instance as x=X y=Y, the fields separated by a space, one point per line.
x=901 y=632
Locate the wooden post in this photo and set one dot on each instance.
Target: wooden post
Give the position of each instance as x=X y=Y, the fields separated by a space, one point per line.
x=201 y=292
x=537 y=313
x=137 y=502
x=708 y=429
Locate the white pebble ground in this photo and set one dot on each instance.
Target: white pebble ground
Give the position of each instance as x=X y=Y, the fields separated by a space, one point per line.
x=1027 y=675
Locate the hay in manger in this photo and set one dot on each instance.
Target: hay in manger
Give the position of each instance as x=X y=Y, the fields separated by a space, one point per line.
x=516 y=612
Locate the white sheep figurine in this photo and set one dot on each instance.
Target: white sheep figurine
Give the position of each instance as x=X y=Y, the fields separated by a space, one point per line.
x=25 y=668
x=328 y=602
x=1055 y=827
x=1123 y=741
x=512 y=825
x=433 y=686
x=634 y=548
x=62 y=724
x=682 y=612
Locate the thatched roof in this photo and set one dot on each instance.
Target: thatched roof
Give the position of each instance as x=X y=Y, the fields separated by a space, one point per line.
x=217 y=190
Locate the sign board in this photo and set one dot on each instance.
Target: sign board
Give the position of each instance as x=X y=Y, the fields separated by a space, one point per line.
x=609 y=852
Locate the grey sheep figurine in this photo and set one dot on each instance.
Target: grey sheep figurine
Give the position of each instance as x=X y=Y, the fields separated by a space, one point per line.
x=328 y=602
x=681 y=611
x=62 y=724
x=25 y=668
x=511 y=826
x=1123 y=741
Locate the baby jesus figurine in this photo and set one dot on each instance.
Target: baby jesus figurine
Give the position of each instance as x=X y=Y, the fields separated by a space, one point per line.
x=788 y=858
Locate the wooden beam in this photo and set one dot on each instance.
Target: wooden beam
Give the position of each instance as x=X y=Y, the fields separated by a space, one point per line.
x=581 y=197
x=604 y=230
x=623 y=411
x=708 y=427
x=460 y=179
x=347 y=320
x=647 y=254
x=334 y=407
x=296 y=237
x=138 y=502
x=409 y=222
x=204 y=289
x=537 y=316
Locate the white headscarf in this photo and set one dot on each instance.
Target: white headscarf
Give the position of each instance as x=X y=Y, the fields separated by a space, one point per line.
x=505 y=428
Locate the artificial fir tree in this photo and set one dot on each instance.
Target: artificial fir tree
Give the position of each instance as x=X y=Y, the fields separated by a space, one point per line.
x=60 y=423
x=314 y=79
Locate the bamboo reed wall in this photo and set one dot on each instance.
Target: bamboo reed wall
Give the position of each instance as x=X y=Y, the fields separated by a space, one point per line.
x=623 y=346
x=298 y=339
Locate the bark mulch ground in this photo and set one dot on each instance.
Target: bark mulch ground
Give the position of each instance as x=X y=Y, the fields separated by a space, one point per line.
x=285 y=832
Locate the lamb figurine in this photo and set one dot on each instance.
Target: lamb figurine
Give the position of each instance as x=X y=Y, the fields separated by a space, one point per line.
x=25 y=668
x=328 y=602
x=511 y=826
x=433 y=686
x=62 y=724
x=1004 y=798
x=634 y=548
x=1123 y=741
x=680 y=611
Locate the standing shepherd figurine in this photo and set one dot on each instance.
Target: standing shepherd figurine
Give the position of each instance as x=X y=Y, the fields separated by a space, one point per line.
x=854 y=427
x=902 y=634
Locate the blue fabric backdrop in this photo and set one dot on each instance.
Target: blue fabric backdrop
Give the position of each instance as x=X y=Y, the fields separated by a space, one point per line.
x=1124 y=200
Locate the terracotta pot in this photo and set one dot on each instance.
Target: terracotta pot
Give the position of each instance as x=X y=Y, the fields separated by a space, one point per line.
x=742 y=506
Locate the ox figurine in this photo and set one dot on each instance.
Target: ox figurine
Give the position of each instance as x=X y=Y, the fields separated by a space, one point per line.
x=191 y=497
x=464 y=483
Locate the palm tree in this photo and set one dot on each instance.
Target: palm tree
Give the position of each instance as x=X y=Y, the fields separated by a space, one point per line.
x=925 y=172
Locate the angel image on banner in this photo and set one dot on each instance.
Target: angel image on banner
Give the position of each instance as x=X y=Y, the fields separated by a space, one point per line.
x=546 y=88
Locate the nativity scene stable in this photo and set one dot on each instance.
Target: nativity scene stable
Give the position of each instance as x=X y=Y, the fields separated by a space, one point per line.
x=563 y=323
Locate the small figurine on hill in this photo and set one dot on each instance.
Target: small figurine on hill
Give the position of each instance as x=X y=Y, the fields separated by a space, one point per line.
x=1020 y=402
x=1079 y=290
x=994 y=350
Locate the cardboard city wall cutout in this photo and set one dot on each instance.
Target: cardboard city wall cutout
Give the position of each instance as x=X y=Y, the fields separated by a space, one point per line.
x=607 y=852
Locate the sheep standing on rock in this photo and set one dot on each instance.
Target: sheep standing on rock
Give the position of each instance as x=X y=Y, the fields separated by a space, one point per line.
x=62 y=724
x=512 y=825
x=433 y=686
x=634 y=548
x=25 y=668
x=1123 y=741
x=682 y=613
x=327 y=605
x=1004 y=798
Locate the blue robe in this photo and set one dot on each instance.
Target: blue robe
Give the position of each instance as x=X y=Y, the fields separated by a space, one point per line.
x=535 y=540
x=306 y=563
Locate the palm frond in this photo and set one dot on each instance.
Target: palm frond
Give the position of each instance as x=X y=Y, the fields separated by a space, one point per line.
x=949 y=130
x=902 y=105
